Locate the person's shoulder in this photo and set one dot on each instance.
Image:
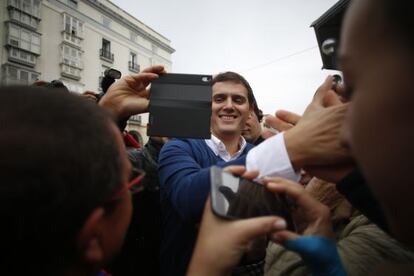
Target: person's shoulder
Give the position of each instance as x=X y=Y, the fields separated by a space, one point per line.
x=185 y=141
x=184 y=144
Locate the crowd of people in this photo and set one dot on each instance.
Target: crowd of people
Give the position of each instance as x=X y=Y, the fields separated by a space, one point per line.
x=81 y=196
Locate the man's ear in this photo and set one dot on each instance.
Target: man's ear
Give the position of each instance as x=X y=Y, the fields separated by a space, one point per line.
x=89 y=239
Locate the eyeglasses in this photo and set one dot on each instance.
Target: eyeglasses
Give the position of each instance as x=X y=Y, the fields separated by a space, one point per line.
x=136 y=177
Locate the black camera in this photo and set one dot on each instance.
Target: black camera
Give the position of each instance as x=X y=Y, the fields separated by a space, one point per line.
x=110 y=75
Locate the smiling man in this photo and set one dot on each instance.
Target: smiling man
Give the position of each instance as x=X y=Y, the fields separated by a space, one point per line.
x=185 y=164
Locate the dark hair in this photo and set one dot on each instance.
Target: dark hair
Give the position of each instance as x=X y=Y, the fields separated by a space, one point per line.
x=58 y=162
x=236 y=78
x=259 y=114
x=53 y=84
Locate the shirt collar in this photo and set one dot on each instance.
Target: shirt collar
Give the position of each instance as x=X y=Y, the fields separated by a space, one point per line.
x=220 y=150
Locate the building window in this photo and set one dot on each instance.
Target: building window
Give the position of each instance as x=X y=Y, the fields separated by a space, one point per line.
x=133 y=64
x=13 y=73
x=36 y=8
x=106 y=46
x=136 y=118
x=16 y=75
x=26 y=6
x=25 y=19
x=72 y=25
x=105 y=52
x=24 y=39
x=72 y=56
x=73 y=86
x=23 y=57
x=31 y=7
x=70 y=72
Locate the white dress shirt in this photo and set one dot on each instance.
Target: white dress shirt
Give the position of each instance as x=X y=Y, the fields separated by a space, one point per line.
x=270 y=157
x=220 y=150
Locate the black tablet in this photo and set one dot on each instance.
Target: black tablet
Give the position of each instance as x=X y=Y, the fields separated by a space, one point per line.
x=180 y=106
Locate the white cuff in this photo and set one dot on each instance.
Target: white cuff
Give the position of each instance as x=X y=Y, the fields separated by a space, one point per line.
x=270 y=158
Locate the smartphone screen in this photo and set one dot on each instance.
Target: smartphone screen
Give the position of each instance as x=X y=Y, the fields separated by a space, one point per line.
x=234 y=197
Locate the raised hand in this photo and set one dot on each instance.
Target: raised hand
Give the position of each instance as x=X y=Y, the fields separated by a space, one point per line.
x=129 y=95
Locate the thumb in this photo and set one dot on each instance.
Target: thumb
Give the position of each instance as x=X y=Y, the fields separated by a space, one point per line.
x=320 y=94
x=331 y=98
x=282 y=236
x=288 y=117
x=255 y=227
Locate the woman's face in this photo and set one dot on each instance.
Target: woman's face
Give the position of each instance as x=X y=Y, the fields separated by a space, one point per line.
x=378 y=72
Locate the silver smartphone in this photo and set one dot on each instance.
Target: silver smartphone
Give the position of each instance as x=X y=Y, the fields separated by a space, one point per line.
x=235 y=197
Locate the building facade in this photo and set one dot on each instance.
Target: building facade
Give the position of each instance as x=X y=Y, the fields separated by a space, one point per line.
x=75 y=41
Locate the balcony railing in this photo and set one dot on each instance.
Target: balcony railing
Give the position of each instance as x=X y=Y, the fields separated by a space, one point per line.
x=136 y=119
x=72 y=39
x=73 y=63
x=106 y=55
x=22 y=57
x=70 y=72
x=133 y=66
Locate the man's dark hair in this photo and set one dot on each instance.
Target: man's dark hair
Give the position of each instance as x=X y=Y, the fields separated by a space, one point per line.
x=237 y=78
x=58 y=162
x=259 y=114
x=53 y=84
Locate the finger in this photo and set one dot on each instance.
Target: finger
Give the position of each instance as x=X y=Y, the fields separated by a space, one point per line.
x=136 y=105
x=277 y=124
x=294 y=191
x=288 y=117
x=249 y=229
x=282 y=236
x=237 y=170
x=145 y=93
x=145 y=77
x=299 y=198
x=141 y=80
x=281 y=180
x=340 y=89
x=250 y=174
x=157 y=69
x=322 y=91
x=331 y=99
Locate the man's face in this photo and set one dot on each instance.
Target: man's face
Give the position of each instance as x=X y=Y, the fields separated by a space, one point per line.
x=252 y=129
x=230 y=109
x=379 y=129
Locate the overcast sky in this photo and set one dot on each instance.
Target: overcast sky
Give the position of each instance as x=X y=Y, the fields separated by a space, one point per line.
x=268 y=41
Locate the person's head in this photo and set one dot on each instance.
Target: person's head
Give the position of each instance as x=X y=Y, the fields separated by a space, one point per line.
x=56 y=194
x=253 y=129
x=376 y=56
x=57 y=84
x=232 y=102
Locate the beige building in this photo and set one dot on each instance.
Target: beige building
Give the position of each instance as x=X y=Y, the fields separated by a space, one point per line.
x=75 y=41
